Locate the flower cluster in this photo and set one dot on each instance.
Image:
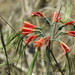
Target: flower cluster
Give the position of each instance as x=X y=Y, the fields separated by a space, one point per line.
x=29 y=28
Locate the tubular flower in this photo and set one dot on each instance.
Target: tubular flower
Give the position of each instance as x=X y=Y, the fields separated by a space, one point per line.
x=58 y=20
x=27 y=30
x=55 y=17
x=64 y=47
x=30 y=39
x=47 y=40
x=25 y=33
x=68 y=23
x=39 y=43
x=37 y=14
x=29 y=25
x=71 y=33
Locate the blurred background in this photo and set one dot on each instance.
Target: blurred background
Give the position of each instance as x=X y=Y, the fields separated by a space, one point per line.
x=14 y=12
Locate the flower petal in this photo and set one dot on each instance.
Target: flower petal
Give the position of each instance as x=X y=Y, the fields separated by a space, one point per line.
x=30 y=39
x=40 y=42
x=71 y=33
x=29 y=25
x=64 y=47
x=27 y=29
x=69 y=23
x=55 y=16
x=37 y=14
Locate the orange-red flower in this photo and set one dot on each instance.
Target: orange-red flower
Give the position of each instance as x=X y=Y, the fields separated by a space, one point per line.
x=30 y=39
x=25 y=33
x=27 y=30
x=55 y=17
x=37 y=14
x=29 y=25
x=69 y=23
x=40 y=42
x=71 y=33
x=47 y=40
x=64 y=47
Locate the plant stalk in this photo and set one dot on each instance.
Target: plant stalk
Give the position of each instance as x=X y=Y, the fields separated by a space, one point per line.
x=3 y=43
x=56 y=62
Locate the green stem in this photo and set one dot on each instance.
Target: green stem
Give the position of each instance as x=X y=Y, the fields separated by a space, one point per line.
x=55 y=25
x=32 y=64
x=50 y=50
x=56 y=62
x=3 y=43
x=48 y=60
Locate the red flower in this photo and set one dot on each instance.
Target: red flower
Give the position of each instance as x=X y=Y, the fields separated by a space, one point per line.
x=30 y=39
x=68 y=23
x=64 y=47
x=29 y=25
x=25 y=33
x=39 y=43
x=71 y=33
x=27 y=30
x=55 y=17
x=58 y=20
x=47 y=40
x=37 y=14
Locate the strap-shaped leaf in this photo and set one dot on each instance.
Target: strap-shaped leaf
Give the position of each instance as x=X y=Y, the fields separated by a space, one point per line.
x=13 y=37
x=32 y=64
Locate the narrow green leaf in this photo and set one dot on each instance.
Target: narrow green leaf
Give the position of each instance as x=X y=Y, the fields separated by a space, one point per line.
x=32 y=64
x=13 y=37
x=5 y=51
